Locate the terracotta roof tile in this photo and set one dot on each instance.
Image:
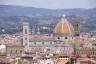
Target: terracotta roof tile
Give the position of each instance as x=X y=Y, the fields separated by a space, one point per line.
x=64 y=28
x=40 y=37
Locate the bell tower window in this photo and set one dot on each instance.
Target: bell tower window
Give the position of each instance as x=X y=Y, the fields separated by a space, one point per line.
x=25 y=31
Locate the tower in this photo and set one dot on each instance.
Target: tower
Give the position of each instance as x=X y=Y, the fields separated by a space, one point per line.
x=25 y=33
x=77 y=28
x=77 y=38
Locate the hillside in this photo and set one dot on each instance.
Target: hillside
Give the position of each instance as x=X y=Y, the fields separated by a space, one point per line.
x=8 y=10
x=11 y=17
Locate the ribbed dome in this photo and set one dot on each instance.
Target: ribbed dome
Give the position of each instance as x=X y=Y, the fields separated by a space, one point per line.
x=64 y=28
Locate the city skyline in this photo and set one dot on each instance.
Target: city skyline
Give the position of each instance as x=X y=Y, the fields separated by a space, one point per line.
x=47 y=32
x=52 y=4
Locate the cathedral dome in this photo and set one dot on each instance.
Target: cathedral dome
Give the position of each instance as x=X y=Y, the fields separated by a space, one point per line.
x=64 y=28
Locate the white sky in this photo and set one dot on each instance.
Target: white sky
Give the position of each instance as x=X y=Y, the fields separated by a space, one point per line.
x=52 y=4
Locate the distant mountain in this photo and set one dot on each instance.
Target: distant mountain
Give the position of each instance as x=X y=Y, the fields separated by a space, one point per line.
x=12 y=16
x=9 y=10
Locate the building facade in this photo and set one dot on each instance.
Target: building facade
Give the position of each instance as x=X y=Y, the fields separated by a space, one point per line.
x=63 y=37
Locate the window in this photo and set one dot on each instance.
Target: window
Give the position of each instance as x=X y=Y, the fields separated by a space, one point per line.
x=77 y=25
x=20 y=51
x=25 y=31
x=35 y=43
x=66 y=37
x=50 y=42
x=42 y=42
x=72 y=38
x=25 y=38
x=16 y=51
x=58 y=37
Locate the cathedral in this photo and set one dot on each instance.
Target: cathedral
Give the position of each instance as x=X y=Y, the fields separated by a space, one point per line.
x=61 y=40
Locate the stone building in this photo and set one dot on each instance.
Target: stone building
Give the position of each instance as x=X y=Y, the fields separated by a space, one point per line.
x=63 y=37
x=86 y=51
x=14 y=49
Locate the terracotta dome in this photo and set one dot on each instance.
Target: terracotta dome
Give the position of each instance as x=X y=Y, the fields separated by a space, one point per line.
x=64 y=28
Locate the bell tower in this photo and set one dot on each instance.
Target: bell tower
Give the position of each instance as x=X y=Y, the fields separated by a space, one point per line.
x=77 y=28
x=25 y=33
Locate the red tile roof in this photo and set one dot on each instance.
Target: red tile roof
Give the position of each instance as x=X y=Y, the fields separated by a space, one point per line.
x=40 y=37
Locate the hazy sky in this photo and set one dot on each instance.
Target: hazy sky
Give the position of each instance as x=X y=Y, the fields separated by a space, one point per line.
x=52 y=4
